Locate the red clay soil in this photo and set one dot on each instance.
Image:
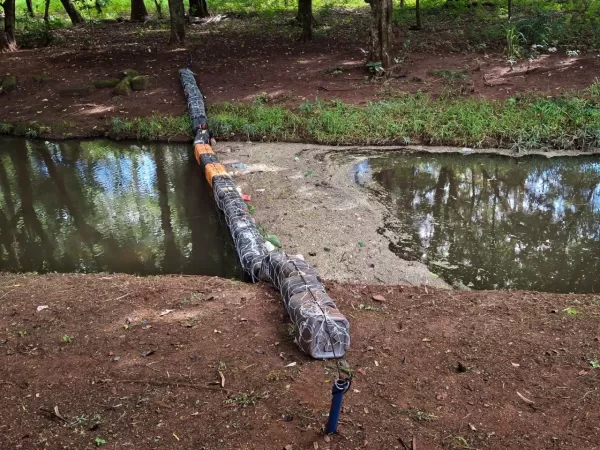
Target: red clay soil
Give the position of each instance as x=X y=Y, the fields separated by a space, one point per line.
x=236 y=64
x=119 y=362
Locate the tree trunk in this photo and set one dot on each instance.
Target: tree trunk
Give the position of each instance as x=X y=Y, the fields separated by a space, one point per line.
x=176 y=10
x=401 y=3
x=305 y=18
x=198 y=8
x=7 y=35
x=138 y=11
x=510 y=8
x=381 y=32
x=76 y=18
x=418 y=14
x=30 y=8
x=158 y=4
x=47 y=12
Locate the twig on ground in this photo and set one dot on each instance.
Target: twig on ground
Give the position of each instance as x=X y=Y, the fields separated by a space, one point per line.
x=403 y=444
x=118 y=298
x=167 y=383
x=53 y=414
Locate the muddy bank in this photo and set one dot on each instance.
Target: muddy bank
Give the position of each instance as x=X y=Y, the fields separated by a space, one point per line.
x=135 y=362
x=306 y=195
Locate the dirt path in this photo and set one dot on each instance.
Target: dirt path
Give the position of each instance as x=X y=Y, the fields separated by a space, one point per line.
x=236 y=60
x=135 y=362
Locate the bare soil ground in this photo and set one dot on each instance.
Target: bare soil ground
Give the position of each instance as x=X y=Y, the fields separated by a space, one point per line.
x=238 y=59
x=134 y=362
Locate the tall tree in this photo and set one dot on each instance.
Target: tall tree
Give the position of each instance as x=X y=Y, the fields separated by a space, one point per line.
x=198 y=8
x=8 y=42
x=139 y=13
x=47 y=11
x=74 y=15
x=381 y=32
x=305 y=17
x=418 y=14
x=177 y=12
x=30 y=8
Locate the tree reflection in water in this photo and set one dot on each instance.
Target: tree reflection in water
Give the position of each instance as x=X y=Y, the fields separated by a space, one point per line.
x=103 y=206
x=491 y=222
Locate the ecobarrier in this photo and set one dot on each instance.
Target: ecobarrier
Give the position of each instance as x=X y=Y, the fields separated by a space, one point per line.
x=321 y=330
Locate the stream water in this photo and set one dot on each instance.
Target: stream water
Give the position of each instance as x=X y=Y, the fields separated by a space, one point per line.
x=492 y=222
x=101 y=206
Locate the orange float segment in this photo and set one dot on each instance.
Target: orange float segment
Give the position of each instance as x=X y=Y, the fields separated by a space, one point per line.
x=213 y=170
x=202 y=149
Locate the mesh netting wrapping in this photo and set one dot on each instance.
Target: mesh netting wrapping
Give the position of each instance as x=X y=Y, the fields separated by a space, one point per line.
x=321 y=330
x=195 y=101
x=248 y=242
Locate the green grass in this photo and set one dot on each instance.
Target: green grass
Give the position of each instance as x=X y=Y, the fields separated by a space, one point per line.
x=529 y=123
x=524 y=123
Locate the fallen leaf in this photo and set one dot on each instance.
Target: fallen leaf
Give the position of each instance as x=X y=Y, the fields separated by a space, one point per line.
x=292 y=364
x=426 y=340
x=472 y=427
x=379 y=298
x=326 y=438
x=362 y=371
x=166 y=311
x=516 y=365
x=147 y=353
x=41 y=308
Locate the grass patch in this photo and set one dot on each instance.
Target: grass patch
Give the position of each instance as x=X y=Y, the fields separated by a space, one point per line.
x=242 y=400
x=450 y=75
x=153 y=128
x=523 y=123
x=563 y=123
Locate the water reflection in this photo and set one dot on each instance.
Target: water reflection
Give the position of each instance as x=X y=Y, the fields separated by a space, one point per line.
x=104 y=206
x=498 y=223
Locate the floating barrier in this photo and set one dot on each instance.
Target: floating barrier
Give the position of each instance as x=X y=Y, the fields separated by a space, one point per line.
x=322 y=331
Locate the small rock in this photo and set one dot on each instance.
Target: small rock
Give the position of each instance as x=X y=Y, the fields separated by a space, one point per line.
x=9 y=84
x=288 y=447
x=379 y=298
x=312 y=253
x=140 y=83
x=326 y=438
x=103 y=84
x=127 y=73
x=41 y=77
x=77 y=91
x=123 y=88
x=147 y=353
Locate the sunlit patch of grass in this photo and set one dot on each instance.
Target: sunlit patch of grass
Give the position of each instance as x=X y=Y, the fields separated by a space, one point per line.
x=526 y=123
